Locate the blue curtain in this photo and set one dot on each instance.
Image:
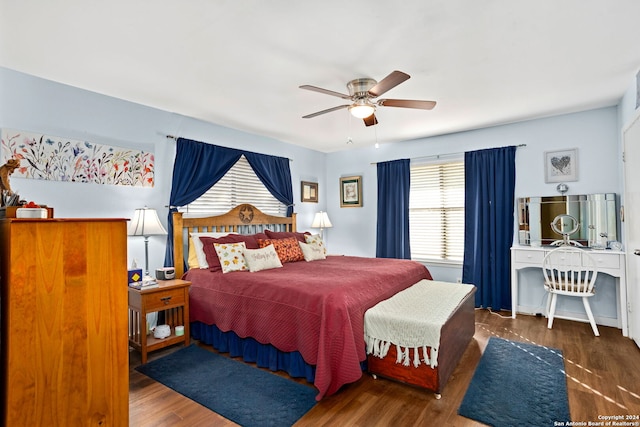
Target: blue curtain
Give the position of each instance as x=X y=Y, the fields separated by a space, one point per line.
x=489 y=205
x=275 y=174
x=198 y=166
x=392 y=238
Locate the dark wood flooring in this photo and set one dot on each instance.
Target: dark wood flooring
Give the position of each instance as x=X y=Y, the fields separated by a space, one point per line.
x=603 y=379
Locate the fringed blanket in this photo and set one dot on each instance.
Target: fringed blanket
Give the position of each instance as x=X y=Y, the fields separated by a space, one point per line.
x=412 y=319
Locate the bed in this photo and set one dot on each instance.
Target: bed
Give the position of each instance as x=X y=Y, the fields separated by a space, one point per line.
x=306 y=318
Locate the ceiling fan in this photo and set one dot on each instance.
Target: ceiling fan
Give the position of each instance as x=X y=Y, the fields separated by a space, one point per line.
x=363 y=91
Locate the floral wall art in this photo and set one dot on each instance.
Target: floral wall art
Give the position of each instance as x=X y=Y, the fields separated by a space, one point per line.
x=60 y=159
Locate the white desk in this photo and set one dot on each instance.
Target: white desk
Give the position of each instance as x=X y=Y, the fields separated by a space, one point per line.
x=609 y=262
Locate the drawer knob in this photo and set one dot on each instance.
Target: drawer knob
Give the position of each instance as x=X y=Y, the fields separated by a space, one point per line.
x=166 y=300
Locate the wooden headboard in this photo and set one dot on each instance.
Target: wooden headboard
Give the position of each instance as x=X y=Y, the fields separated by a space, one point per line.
x=243 y=219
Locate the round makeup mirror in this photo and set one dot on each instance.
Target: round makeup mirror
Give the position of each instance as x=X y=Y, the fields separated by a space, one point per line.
x=565 y=225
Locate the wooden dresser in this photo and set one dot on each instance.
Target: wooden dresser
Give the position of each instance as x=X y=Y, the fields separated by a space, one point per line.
x=64 y=322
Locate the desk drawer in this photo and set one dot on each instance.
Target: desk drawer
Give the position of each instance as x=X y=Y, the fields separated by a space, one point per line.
x=161 y=299
x=529 y=257
x=604 y=260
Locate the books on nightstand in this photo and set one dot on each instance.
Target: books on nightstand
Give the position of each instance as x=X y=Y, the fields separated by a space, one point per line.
x=137 y=281
x=145 y=284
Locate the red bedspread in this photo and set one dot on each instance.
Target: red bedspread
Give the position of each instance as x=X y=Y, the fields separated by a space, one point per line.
x=316 y=308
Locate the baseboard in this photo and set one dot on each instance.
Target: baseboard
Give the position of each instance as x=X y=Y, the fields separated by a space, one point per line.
x=576 y=316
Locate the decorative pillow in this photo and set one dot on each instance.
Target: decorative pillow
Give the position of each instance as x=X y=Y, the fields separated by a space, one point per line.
x=231 y=256
x=262 y=259
x=197 y=257
x=312 y=252
x=250 y=241
x=284 y=234
x=316 y=240
x=288 y=249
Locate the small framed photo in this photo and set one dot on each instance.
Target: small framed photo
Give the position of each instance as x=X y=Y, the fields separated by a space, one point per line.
x=309 y=192
x=351 y=192
x=561 y=166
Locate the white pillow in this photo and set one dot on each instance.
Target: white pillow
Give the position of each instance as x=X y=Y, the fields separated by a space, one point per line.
x=262 y=259
x=197 y=258
x=231 y=256
x=315 y=240
x=312 y=252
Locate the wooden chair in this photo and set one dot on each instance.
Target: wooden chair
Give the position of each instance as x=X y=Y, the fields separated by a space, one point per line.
x=572 y=272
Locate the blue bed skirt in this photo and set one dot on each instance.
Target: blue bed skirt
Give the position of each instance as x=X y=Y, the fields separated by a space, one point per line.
x=263 y=355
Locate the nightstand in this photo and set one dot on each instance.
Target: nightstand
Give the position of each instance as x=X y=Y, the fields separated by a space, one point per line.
x=170 y=297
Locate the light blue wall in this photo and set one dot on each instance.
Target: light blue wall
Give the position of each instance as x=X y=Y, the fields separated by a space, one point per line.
x=593 y=132
x=32 y=104
x=36 y=105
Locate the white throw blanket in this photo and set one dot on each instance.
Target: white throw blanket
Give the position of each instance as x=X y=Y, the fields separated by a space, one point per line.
x=412 y=319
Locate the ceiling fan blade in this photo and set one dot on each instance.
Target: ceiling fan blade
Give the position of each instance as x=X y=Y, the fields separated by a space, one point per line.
x=325 y=91
x=389 y=82
x=371 y=120
x=328 y=110
x=407 y=103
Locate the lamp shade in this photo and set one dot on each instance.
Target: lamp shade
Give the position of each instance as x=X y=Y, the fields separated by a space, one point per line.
x=321 y=220
x=146 y=223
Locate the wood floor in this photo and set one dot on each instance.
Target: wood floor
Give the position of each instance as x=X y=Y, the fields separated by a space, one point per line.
x=603 y=378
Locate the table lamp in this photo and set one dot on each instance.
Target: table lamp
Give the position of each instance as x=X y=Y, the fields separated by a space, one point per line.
x=146 y=223
x=321 y=221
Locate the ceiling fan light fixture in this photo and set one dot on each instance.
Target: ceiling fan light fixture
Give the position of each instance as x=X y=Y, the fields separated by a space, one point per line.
x=362 y=110
x=362 y=93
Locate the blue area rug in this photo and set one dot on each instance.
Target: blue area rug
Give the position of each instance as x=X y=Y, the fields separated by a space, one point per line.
x=239 y=392
x=517 y=384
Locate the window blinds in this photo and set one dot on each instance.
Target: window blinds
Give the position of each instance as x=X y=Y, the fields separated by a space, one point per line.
x=436 y=211
x=239 y=185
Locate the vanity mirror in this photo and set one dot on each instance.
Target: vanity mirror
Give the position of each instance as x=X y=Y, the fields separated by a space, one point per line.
x=597 y=215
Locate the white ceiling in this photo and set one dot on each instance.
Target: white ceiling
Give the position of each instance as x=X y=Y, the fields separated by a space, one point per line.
x=238 y=63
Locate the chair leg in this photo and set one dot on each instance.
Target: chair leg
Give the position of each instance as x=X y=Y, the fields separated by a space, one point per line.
x=548 y=304
x=587 y=307
x=552 y=310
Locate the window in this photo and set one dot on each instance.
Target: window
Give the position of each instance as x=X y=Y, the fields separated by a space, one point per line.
x=239 y=185
x=436 y=211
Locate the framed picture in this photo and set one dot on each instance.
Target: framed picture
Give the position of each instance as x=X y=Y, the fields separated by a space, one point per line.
x=561 y=166
x=351 y=192
x=309 y=192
